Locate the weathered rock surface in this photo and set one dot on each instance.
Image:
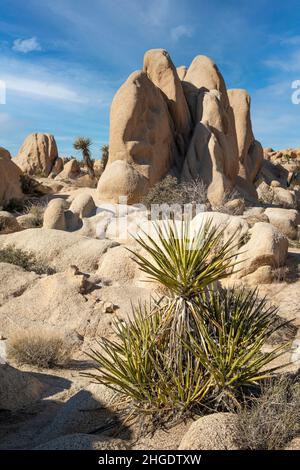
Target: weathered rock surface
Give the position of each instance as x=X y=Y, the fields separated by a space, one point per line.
x=86 y=411
x=162 y=72
x=18 y=389
x=71 y=170
x=212 y=432
x=250 y=151
x=141 y=148
x=286 y=220
x=54 y=215
x=14 y=281
x=267 y=247
x=213 y=152
x=10 y=186
x=37 y=154
x=60 y=249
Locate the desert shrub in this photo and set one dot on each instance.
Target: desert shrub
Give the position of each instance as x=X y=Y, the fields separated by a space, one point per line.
x=195 y=348
x=40 y=348
x=29 y=185
x=164 y=192
x=14 y=205
x=24 y=259
x=271 y=420
x=172 y=191
x=36 y=210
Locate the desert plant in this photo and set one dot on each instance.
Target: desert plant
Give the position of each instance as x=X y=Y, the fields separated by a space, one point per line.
x=24 y=259
x=14 y=205
x=165 y=191
x=233 y=330
x=195 y=347
x=36 y=210
x=271 y=420
x=171 y=191
x=83 y=144
x=29 y=185
x=40 y=348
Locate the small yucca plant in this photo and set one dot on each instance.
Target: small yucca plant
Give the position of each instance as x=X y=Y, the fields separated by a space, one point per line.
x=196 y=346
x=186 y=265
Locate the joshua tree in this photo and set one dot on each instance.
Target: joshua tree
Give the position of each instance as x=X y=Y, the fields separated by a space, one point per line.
x=104 y=159
x=83 y=144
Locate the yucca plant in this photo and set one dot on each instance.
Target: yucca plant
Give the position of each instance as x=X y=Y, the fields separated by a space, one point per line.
x=136 y=365
x=229 y=341
x=196 y=347
x=83 y=144
x=185 y=264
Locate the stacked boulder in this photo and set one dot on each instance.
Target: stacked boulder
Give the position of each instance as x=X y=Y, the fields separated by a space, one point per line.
x=10 y=174
x=37 y=155
x=183 y=122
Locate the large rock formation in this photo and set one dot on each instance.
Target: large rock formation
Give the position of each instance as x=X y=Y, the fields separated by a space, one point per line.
x=142 y=148
x=37 y=154
x=162 y=72
x=10 y=185
x=250 y=151
x=184 y=122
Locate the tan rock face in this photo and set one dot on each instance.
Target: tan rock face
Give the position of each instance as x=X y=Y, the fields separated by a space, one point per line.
x=181 y=72
x=213 y=432
x=162 y=72
x=141 y=141
x=250 y=151
x=54 y=215
x=37 y=154
x=71 y=170
x=213 y=152
x=203 y=75
x=267 y=247
x=10 y=186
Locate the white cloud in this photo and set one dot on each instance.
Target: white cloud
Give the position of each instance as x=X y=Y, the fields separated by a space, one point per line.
x=45 y=89
x=290 y=63
x=181 y=31
x=26 y=45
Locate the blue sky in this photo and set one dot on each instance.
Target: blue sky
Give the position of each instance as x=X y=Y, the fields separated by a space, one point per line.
x=63 y=60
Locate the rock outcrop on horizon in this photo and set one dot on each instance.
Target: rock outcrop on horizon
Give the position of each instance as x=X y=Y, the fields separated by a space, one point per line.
x=183 y=122
x=10 y=185
x=37 y=154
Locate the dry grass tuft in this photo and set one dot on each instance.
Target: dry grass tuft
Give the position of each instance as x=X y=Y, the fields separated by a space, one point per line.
x=36 y=210
x=273 y=419
x=45 y=349
x=24 y=259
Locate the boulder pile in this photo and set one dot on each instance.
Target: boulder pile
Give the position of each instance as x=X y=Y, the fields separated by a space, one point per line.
x=183 y=122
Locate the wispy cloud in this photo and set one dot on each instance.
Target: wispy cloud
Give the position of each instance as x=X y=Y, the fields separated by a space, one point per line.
x=180 y=31
x=53 y=82
x=43 y=89
x=26 y=45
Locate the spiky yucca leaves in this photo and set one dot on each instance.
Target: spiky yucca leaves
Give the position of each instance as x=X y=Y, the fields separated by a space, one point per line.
x=229 y=341
x=137 y=366
x=186 y=264
x=197 y=347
